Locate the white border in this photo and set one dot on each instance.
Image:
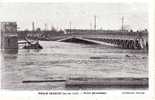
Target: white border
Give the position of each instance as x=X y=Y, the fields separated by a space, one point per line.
x=111 y=95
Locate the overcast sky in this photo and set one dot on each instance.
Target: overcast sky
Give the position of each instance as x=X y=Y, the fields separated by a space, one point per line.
x=81 y=15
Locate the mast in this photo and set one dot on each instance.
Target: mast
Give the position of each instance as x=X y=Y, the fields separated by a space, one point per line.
x=70 y=26
x=33 y=26
x=122 y=23
x=95 y=22
x=45 y=27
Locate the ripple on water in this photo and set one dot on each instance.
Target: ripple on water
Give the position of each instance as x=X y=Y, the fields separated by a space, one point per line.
x=60 y=60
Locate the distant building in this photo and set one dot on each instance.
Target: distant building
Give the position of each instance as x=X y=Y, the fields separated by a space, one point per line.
x=39 y=34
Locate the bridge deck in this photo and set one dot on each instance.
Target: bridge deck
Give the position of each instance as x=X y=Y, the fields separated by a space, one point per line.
x=87 y=40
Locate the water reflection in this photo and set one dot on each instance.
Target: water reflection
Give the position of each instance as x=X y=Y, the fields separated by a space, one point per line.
x=10 y=51
x=31 y=50
x=9 y=54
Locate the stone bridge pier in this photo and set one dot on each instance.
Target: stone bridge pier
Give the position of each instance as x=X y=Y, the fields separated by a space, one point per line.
x=9 y=37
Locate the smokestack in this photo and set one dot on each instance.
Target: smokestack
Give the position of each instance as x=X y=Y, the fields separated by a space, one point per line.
x=45 y=27
x=95 y=22
x=33 y=27
x=122 y=23
x=70 y=26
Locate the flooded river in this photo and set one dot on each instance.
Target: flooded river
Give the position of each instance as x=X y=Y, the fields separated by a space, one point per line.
x=59 y=60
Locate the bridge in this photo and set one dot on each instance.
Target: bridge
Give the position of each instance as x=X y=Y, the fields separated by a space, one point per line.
x=84 y=40
x=125 y=44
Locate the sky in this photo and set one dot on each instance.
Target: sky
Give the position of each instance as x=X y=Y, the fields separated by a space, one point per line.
x=79 y=15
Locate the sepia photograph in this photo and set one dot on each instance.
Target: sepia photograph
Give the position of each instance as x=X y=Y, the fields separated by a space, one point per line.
x=74 y=46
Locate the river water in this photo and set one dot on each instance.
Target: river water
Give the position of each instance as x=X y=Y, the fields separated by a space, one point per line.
x=59 y=60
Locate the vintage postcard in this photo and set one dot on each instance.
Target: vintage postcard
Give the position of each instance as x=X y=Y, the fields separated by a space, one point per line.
x=63 y=47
